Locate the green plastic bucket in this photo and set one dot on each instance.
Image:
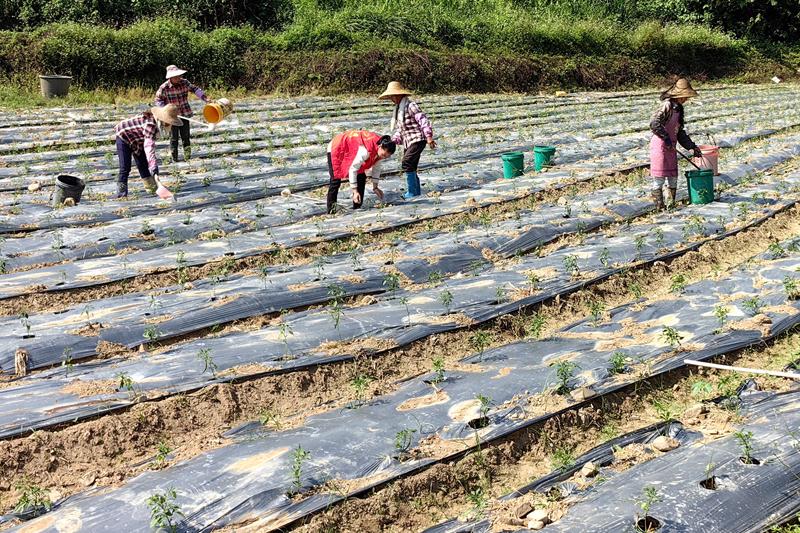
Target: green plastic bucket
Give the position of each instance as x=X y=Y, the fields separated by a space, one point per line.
x=513 y=164
x=542 y=156
x=700 y=184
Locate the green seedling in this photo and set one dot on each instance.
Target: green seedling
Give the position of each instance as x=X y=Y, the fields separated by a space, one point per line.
x=485 y=404
x=702 y=388
x=659 y=234
x=360 y=383
x=284 y=330
x=605 y=255
x=32 y=499
x=565 y=371
x=635 y=289
x=536 y=325
x=665 y=410
x=299 y=456
x=268 y=417
x=125 y=382
x=562 y=459
x=163 y=450
x=438 y=369
x=181 y=267
x=204 y=356
x=403 y=440
x=480 y=340
x=597 y=308
x=479 y=501
x=500 y=294
x=639 y=243
x=392 y=282
x=709 y=481
x=791 y=287
x=165 y=513
x=435 y=278
x=151 y=333
x=533 y=282
x=26 y=322
x=649 y=498
x=671 y=336
x=752 y=305
x=571 y=265
x=776 y=251
x=678 y=283
x=745 y=439
x=721 y=312
x=618 y=363
x=66 y=362
x=446 y=298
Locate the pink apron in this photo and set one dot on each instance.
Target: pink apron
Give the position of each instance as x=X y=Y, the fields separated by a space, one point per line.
x=664 y=159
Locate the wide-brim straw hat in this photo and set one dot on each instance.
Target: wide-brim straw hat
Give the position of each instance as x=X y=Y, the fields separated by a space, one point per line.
x=167 y=114
x=680 y=89
x=395 y=88
x=173 y=71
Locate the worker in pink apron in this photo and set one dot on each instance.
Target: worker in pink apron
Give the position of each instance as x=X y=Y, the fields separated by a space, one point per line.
x=667 y=125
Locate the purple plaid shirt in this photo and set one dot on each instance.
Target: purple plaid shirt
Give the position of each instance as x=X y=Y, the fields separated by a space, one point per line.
x=178 y=94
x=413 y=126
x=140 y=134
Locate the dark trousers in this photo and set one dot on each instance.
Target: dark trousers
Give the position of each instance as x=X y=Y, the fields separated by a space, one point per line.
x=125 y=154
x=334 y=184
x=411 y=156
x=184 y=133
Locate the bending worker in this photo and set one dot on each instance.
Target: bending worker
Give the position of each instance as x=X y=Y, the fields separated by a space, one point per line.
x=354 y=155
x=136 y=138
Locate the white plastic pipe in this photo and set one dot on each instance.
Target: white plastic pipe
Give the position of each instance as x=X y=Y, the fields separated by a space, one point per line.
x=206 y=124
x=790 y=375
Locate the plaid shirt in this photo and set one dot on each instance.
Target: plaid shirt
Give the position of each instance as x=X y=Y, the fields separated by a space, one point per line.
x=413 y=126
x=179 y=95
x=140 y=134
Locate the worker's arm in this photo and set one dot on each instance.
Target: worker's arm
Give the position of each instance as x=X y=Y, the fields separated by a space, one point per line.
x=198 y=92
x=422 y=120
x=160 y=102
x=684 y=138
x=361 y=157
x=150 y=131
x=397 y=137
x=659 y=120
x=374 y=173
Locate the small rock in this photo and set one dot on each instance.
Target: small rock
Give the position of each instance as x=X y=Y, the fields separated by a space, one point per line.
x=88 y=480
x=589 y=470
x=368 y=300
x=536 y=525
x=188 y=286
x=582 y=393
x=515 y=522
x=69 y=202
x=539 y=515
x=54 y=495
x=35 y=186
x=523 y=509
x=665 y=444
x=696 y=410
x=142 y=348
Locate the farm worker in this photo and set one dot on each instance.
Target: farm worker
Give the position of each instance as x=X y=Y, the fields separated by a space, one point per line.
x=411 y=127
x=176 y=91
x=354 y=155
x=136 y=138
x=667 y=125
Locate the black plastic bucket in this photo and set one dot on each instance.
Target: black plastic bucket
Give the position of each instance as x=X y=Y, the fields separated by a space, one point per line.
x=54 y=85
x=67 y=187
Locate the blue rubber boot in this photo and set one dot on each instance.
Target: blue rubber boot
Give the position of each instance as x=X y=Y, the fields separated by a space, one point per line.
x=412 y=183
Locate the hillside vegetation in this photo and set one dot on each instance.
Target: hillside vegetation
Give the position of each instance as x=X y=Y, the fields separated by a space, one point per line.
x=345 y=45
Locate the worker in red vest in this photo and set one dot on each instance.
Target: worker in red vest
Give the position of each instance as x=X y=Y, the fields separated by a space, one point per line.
x=354 y=155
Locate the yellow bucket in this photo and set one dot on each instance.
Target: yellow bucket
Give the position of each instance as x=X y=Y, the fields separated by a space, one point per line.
x=217 y=111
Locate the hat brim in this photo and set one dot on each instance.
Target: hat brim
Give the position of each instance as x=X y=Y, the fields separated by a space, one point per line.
x=387 y=94
x=161 y=114
x=178 y=72
x=683 y=93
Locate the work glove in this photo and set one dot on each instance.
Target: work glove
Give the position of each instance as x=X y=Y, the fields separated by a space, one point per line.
x=697 y=152
x=431 y=143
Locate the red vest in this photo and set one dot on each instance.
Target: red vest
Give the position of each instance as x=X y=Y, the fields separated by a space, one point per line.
x=345 y=147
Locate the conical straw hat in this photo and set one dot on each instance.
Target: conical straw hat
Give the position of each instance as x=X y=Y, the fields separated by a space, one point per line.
x=395 y=88
x=168 y=114
x=172 y=71
x=680 y=89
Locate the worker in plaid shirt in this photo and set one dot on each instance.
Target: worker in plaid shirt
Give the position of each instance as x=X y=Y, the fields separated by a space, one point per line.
x=176 y=91
x=136 y=139
x=411 y=127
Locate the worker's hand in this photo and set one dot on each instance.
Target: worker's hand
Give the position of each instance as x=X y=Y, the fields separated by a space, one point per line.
x=378 y=192
x=431 y=143
x=698 y=152
x=356 y=197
